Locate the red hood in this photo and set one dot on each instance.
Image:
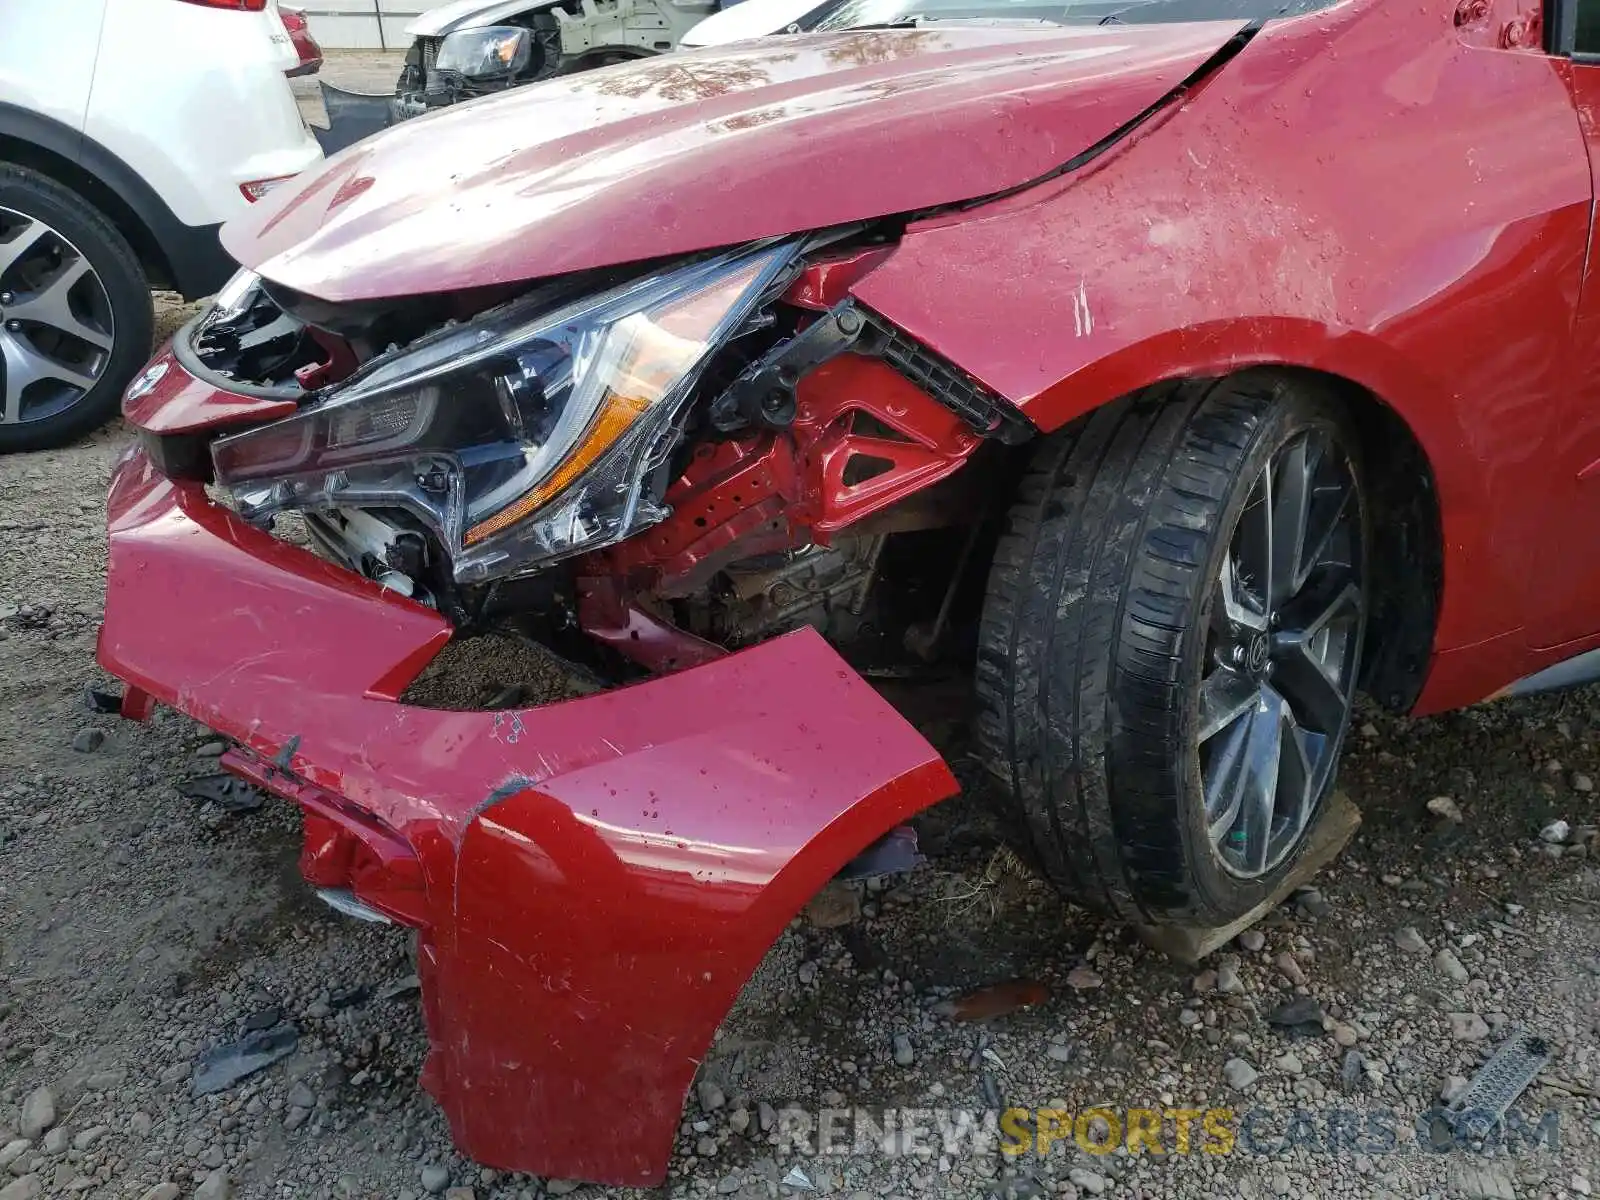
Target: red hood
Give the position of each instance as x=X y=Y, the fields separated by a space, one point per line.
x=708 y=148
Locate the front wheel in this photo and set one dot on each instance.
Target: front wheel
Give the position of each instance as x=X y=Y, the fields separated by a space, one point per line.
x=1171 y=641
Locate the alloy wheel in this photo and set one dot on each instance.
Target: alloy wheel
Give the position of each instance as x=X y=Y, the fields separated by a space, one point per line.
x=1283 y=647
x=56 y=325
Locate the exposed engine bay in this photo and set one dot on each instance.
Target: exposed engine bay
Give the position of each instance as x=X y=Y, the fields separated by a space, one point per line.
x=707 y=456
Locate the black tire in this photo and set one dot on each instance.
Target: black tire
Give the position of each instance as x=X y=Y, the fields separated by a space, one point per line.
x=1098 y=629
x=88 y=231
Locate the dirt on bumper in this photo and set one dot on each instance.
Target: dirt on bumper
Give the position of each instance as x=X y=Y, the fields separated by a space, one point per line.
x=592 y=881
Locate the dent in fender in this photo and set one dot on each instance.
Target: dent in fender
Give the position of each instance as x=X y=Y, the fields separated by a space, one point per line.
x=592 y=881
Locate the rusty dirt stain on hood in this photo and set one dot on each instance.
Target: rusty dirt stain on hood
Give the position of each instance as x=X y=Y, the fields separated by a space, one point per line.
x=708 y=148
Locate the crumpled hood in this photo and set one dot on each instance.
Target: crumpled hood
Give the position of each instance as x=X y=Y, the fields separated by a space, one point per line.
x=708 y=148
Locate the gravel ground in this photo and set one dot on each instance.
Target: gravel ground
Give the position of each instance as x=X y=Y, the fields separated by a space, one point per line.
x=140 y=929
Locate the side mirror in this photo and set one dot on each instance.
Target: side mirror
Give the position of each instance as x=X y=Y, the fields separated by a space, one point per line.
x=492 y=54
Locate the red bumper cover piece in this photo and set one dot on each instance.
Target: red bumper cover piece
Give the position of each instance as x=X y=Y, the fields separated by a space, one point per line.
x=592 y=881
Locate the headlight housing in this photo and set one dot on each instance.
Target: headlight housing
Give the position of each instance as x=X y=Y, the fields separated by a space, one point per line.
x=520 y=438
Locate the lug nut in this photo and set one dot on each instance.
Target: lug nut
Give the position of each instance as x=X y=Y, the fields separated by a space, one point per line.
x=6 y=297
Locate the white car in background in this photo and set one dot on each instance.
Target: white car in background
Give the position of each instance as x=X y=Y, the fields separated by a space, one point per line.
x=130 y=130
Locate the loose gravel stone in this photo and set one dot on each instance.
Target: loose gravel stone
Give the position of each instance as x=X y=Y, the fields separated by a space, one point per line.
x=87 y=741
x=434 y=1179
x=904 y=1055
x=1252 y=940
x=1087 y=1180
x=1084 y=979
x=1240 y=1075
x=38 y=1112
x=29 y=1187
x=1408 y=939
x=163 y=1191
x=1468 y=1027
x=1555 y=833
x=1447 y=962
x=215 y=1186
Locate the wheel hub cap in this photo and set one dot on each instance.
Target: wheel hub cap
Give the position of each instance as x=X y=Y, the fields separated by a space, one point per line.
x=56 y=327
x=1283 y=646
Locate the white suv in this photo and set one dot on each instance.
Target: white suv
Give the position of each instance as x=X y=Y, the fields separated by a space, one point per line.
x=130 y=130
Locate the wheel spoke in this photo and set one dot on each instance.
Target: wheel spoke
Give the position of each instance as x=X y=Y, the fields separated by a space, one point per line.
x=1296 y=780
x=24 y=366
x=1311 y=664
x=1225 y=696
x=1254 y=542
x=1263 y=752
x=1234 y=603
x=51 y=306
x=1291 y=515
x=1226 y=779
x=15 y=247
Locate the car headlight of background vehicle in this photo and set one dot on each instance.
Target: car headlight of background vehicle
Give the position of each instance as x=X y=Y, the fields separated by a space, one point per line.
x=520 y=438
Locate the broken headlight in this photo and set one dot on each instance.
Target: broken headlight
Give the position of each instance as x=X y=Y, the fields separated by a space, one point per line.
x=522 y=437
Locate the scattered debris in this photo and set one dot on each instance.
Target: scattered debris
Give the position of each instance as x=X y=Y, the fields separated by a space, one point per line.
x=996 y=1000
x=399 y=987
x=1498 y=1083
x=993 y=1097
x=895 y=853
x=796 y=1178
x=228 y=792
x=106 y=704
x=227 y=1065
x=87 y=741
x=1555 y=833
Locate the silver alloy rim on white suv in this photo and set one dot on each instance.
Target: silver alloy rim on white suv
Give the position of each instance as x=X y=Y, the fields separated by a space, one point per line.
x=56 y=326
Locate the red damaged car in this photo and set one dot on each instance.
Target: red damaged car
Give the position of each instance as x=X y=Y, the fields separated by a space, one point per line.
x=1173 y=368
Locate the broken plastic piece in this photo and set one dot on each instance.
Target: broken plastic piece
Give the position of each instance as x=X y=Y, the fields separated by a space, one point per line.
x=987 y=1003
x=796 y=1178
x=344 y=900
x=227 y=792
x=1496 y=1086
x=227 y=1065
x=399 y=987
x=106 y=703
x=893 y=854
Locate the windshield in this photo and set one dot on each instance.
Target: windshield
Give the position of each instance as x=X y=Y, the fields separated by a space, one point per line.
x=852 y=14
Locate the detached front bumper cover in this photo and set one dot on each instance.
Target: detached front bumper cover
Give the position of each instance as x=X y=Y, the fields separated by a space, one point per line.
x=592 y=881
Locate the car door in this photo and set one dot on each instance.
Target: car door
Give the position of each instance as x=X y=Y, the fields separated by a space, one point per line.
x=1564 y=596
